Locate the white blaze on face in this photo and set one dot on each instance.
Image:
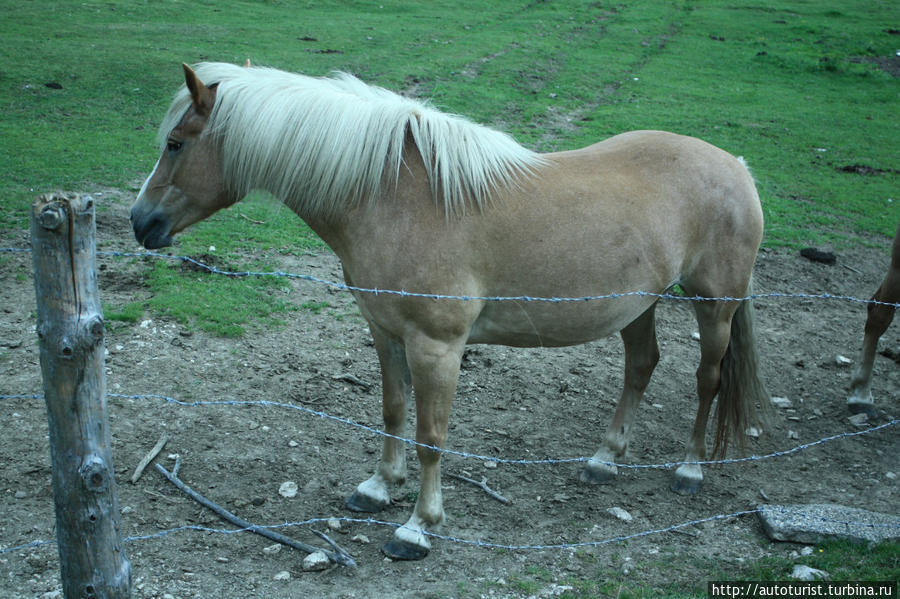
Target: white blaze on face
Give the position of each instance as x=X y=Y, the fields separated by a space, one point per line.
x=144 y=186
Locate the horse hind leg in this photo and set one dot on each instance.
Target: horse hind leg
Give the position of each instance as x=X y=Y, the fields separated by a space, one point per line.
x=878 y=319
x=373 y=495
x=641 y=357
x=729 y=368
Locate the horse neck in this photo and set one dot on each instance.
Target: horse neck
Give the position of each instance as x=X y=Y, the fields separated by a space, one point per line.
x=401 y=210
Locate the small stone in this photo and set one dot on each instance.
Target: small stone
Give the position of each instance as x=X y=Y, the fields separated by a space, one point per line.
x=753 y=432
x=695 y=336
x=806 y=550
x=807 y=573
x=781 y=402
x=315 y=562
x=51 y=595
x=334 y=524
x=890 y=476
x=168 y=596
x=793 y=435
x=619 y=513
x=293 y=443
x=361 y=539
x=490 y=464
x=222 y=560
x=860 y=420
x=272 y=549
x=21 y=494
x=283 y=575
x=288 y=489
x=842 y=361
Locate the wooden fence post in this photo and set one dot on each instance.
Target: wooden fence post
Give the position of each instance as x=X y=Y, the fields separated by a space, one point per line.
x=93 y=563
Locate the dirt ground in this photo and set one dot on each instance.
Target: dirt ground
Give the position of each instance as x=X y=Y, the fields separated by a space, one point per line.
x=511 y=403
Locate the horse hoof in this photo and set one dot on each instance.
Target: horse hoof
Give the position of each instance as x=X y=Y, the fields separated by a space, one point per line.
x=685 y=486
x=597 y=474
x=404 y=550
x=862 y=407
x=363 y=503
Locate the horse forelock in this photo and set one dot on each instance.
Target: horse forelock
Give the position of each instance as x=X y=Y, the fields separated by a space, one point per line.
x=323 y=145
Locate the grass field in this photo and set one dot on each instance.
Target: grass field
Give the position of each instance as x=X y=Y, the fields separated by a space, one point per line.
x=803 y=89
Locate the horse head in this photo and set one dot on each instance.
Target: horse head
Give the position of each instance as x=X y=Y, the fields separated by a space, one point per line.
x=186 y=185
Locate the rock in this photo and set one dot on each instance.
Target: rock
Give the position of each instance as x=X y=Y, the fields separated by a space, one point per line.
x=861 y=420
x=316 y=562
x=288 y=489
x=334 y=524
x=753 y=432
x=842 y=361
x=807 y=573
x=51 y=595
x=781 y=402
x=814 y=523
x=890 y=476
x=283 y=575
x=817 y=255
x=793 y=435
x=361 y=539
x=272 y=549
x=620 y=514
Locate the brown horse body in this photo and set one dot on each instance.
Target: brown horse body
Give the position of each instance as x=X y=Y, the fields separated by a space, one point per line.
x=642 y=211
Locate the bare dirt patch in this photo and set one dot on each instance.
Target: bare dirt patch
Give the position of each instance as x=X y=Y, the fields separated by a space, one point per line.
x=511 y=403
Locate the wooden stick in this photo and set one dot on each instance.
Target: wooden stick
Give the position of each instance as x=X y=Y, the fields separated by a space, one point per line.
x=342 y=558
x=483 y=486
x=149 y=457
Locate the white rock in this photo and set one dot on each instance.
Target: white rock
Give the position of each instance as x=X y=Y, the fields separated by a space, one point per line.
x=861 y=419
x=315 y=562
x=620 y=514
x=283 y=575
x=490 y=464
x=890 y=476
x=793 y=435
x=695 y=336
x=807 y=573
x=361 y=539
x=806 y=550
x=51 y=595
x=781 y=402
x=334 y=524
x=288 y=489
x=146 y=324
x=272 y=549
x=842 y=361
x=753 y=432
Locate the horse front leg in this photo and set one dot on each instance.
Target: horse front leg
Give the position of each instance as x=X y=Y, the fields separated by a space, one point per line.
x=373 y=495
x=641 y=357
x=435 y=369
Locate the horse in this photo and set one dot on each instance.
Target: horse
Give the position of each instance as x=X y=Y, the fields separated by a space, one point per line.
x=412 y=198
x=880 y=313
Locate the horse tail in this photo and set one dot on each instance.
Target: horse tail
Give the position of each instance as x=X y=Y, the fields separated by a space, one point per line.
x=743 y=398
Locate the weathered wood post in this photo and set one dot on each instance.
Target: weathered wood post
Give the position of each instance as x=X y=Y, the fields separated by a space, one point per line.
x=93 y=563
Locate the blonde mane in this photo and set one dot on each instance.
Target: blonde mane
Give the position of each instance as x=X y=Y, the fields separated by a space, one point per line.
x=323 y=145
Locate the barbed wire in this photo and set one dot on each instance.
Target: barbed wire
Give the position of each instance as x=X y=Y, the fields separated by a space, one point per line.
x=488 y=544
x=485 y=458
x=502 y=298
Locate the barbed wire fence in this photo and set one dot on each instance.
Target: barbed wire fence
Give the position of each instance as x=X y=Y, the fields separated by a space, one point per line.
x=466 y=455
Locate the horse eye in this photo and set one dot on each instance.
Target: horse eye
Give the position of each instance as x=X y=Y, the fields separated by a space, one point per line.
x=173 y=145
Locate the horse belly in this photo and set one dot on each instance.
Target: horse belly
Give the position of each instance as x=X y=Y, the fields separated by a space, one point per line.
x=553 y=324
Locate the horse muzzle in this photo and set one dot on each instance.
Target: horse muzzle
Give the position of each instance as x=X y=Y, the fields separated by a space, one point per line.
x=152 y=230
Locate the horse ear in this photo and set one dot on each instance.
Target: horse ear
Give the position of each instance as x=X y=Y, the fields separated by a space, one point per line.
x=202 y=96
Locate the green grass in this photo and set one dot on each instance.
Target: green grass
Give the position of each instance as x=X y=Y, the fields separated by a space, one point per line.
x=688 y=577
x=791 y=85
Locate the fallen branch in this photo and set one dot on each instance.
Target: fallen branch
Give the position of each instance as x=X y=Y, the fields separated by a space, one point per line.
x=339 y=557
x=149 y=457
x=483 y=486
